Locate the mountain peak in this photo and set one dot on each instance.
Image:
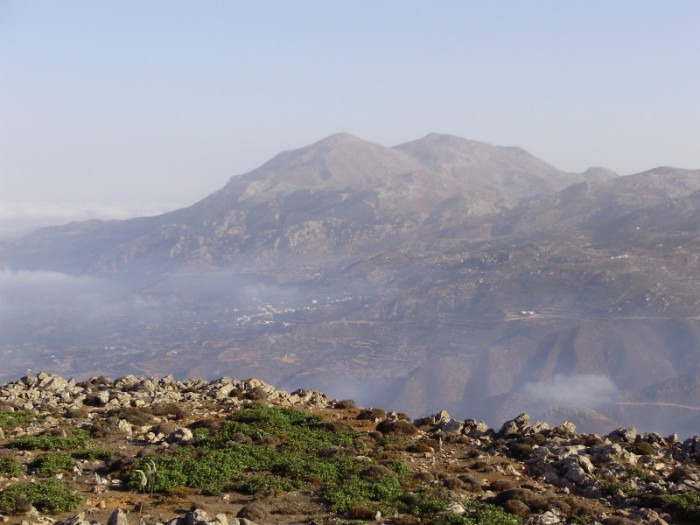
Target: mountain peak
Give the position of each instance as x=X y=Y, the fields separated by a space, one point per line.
x=339 y=139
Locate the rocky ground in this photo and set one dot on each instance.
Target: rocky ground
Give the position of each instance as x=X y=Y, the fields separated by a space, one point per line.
x=156 y=450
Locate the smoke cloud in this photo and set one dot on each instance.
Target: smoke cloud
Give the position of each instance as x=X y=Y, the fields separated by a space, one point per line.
x=577 y=390
x=27 y=292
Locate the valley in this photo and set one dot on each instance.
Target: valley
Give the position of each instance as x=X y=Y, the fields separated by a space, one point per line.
x=438 y=274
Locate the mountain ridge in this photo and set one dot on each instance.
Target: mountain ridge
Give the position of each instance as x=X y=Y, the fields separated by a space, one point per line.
x=401 y=282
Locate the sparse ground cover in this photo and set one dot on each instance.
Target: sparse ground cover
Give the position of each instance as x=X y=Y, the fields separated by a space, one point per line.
x=267 y=448
x=14 y=418
x=245 y=449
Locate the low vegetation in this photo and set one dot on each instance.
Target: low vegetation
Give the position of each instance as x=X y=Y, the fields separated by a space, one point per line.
x=50 y=496
x=241 y=449
x=15 y=418
x=262 y=448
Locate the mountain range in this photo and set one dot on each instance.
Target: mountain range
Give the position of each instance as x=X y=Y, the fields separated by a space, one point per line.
x=440 y=273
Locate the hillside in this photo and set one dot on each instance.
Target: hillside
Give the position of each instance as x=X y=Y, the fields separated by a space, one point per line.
x=440 y=273
x=156 y=450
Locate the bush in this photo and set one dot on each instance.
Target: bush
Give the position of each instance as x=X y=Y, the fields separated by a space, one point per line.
x=17 y=418
x=93 y=453
x=642 y=448
x=139 y=416
x=397 y=427
x=255 y=511
x=52 y=463
x=478 y=514
x=172 y=410
x=257 y=394
x=521 y=450
x=78 y=440
x=685 y=504
x=10 y=467
x=361 y=512
x=371 y=414
x=345 y=404
x=47 y=496
x=261 y=448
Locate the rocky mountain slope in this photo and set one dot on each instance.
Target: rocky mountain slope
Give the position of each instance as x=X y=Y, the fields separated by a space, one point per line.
x=441 y=273
x=157 y=450
x=340 y=195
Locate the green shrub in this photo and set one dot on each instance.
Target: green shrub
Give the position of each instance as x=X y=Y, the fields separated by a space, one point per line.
x=685 y=504
x=265 y=448
x=47 y=496
x=643 y=448
x=78 y=440
x=16 y=418
x=397 y=427
x=634 y=471
x=51 y=463
x=261 y=448
x=254 y=483
x=93 y=453
x=478 y=513
x=10 y=467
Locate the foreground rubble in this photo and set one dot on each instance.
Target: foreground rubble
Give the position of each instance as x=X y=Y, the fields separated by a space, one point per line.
x=537 y=473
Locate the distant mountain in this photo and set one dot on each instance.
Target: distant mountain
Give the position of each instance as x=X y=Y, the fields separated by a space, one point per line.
x=440 y=273
x=592 y=203
x=337 y=195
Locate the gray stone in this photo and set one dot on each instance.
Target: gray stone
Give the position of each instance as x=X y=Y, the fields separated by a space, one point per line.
x=515 y=426
x=102 y=397
x=623 y=435
x=181 y=435
x=567 y=428
x=548 y=518
x=76 y=520
x=118 y=517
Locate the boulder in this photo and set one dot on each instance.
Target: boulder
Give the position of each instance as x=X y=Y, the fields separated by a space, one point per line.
x=118 y=517
x=515 y=427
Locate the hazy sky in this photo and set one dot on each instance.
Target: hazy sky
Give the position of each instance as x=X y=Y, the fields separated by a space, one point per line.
x=111 y=107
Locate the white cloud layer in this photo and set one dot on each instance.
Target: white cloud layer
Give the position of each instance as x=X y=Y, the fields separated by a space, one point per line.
x=21 y=217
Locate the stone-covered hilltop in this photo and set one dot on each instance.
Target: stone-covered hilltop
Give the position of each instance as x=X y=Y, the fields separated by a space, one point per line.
x=156 y=450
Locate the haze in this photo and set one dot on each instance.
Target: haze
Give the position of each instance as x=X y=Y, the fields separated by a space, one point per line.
x=125 y=108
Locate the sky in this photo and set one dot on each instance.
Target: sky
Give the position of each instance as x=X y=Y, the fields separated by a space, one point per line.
x=115 y=108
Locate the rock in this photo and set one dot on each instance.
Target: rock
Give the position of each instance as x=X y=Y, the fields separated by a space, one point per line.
x=550 y=517
x=181 y=435
x=124 y=426
x=99 y=399
x=605 y=453
x=541 y=426
x=574 y=471
x=451 y=426
x=75 y=520
x=118 y=517
x=515 y=427
x=475 y=429
x=567 y=428
x=623 y=435
x=456 y=508
x=200 y=517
